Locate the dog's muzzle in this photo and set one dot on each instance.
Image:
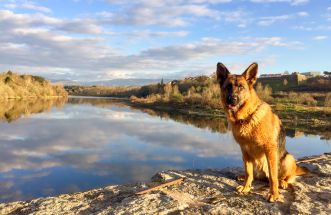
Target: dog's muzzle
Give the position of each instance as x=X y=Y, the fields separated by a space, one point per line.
x=232 y=100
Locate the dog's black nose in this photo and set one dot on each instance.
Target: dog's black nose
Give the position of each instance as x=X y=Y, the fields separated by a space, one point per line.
x=232 y=100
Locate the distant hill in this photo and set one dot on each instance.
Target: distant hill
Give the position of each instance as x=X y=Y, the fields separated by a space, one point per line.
x=16 y=86
x=114 y=82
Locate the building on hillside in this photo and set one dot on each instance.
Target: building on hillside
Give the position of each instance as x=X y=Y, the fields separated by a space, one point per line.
x=280 y=82
x=271 y=75
x=311 y=73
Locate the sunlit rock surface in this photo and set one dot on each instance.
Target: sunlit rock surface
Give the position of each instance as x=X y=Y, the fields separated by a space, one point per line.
x=203 y=191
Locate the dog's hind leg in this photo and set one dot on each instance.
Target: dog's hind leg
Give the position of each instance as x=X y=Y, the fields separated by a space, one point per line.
x=287 y=171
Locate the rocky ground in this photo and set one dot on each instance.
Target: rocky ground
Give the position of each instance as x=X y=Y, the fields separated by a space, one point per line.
x=202 y=191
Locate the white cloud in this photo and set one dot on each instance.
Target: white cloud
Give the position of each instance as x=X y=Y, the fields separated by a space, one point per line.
x=149 y=33
x=269 y=20
x=303 y=28
x=328 y=15
x=320 y=37
x=292 y=2
x=82 y=26
x=29 y=6
x=12 y=19
x=210 y=1
x=167 y=13
x=210 y=47
x=167 y=16
x=303 y=13
x=313 y=27
x=299 y=2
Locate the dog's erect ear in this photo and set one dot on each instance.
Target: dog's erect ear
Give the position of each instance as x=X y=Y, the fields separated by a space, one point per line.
x=222 y=73
x=250 y=74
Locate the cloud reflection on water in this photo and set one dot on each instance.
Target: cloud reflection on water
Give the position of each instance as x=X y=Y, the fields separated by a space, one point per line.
x=95 y=142
x=113 y=143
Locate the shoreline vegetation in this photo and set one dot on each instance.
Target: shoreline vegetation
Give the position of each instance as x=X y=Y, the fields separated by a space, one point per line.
x=200 y=96
x=16 y=86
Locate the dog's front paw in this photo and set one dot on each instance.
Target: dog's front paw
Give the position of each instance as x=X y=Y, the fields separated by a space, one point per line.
x=273 y=197
x=283 y=184
x=243 y=189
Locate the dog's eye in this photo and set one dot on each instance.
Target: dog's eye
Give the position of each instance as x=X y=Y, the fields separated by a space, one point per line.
x=229 y=87
x=240 y=87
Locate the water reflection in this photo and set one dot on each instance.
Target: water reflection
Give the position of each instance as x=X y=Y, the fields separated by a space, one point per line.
x=294 y=129
x=95 y=142
x=214 y=124
x=11 y=110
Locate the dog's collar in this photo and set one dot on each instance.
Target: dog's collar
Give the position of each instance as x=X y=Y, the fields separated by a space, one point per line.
x=243 y=121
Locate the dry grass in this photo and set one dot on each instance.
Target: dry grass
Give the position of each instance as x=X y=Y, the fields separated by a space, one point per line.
x=200 y=91
x=301 y=98
x=327 y=102
x=264 y=92
x=14 y=86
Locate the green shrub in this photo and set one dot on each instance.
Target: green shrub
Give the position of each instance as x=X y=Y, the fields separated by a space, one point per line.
x=177 y=97
x=39 y=79
x=8 y=80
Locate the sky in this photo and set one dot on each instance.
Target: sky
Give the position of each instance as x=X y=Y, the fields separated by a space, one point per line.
x=94 y=40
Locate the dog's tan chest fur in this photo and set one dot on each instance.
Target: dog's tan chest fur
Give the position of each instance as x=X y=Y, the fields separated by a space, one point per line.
x=248 y=131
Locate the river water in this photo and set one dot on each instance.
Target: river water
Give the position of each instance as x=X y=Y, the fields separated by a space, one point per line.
x=55 y=147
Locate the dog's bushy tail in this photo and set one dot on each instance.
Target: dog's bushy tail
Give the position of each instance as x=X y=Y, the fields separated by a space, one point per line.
x=301 y=171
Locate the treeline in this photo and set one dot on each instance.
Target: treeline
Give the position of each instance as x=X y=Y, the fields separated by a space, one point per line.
x=207 y=93
x=15 y=86
x=201 y=90
x=104 y=91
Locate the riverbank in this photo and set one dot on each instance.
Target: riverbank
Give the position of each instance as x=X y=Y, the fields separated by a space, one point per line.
x=310 y=120
x=202 y=191
x=307 y=120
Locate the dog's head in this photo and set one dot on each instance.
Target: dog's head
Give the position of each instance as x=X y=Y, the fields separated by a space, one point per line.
x=236 y=90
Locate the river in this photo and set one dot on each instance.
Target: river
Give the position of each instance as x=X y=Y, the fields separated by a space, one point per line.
x=55 y=147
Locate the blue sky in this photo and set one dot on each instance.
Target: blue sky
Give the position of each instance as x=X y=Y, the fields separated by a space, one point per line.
x=108 y=39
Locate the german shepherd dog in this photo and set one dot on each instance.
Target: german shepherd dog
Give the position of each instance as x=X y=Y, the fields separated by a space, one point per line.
x=258 y=131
